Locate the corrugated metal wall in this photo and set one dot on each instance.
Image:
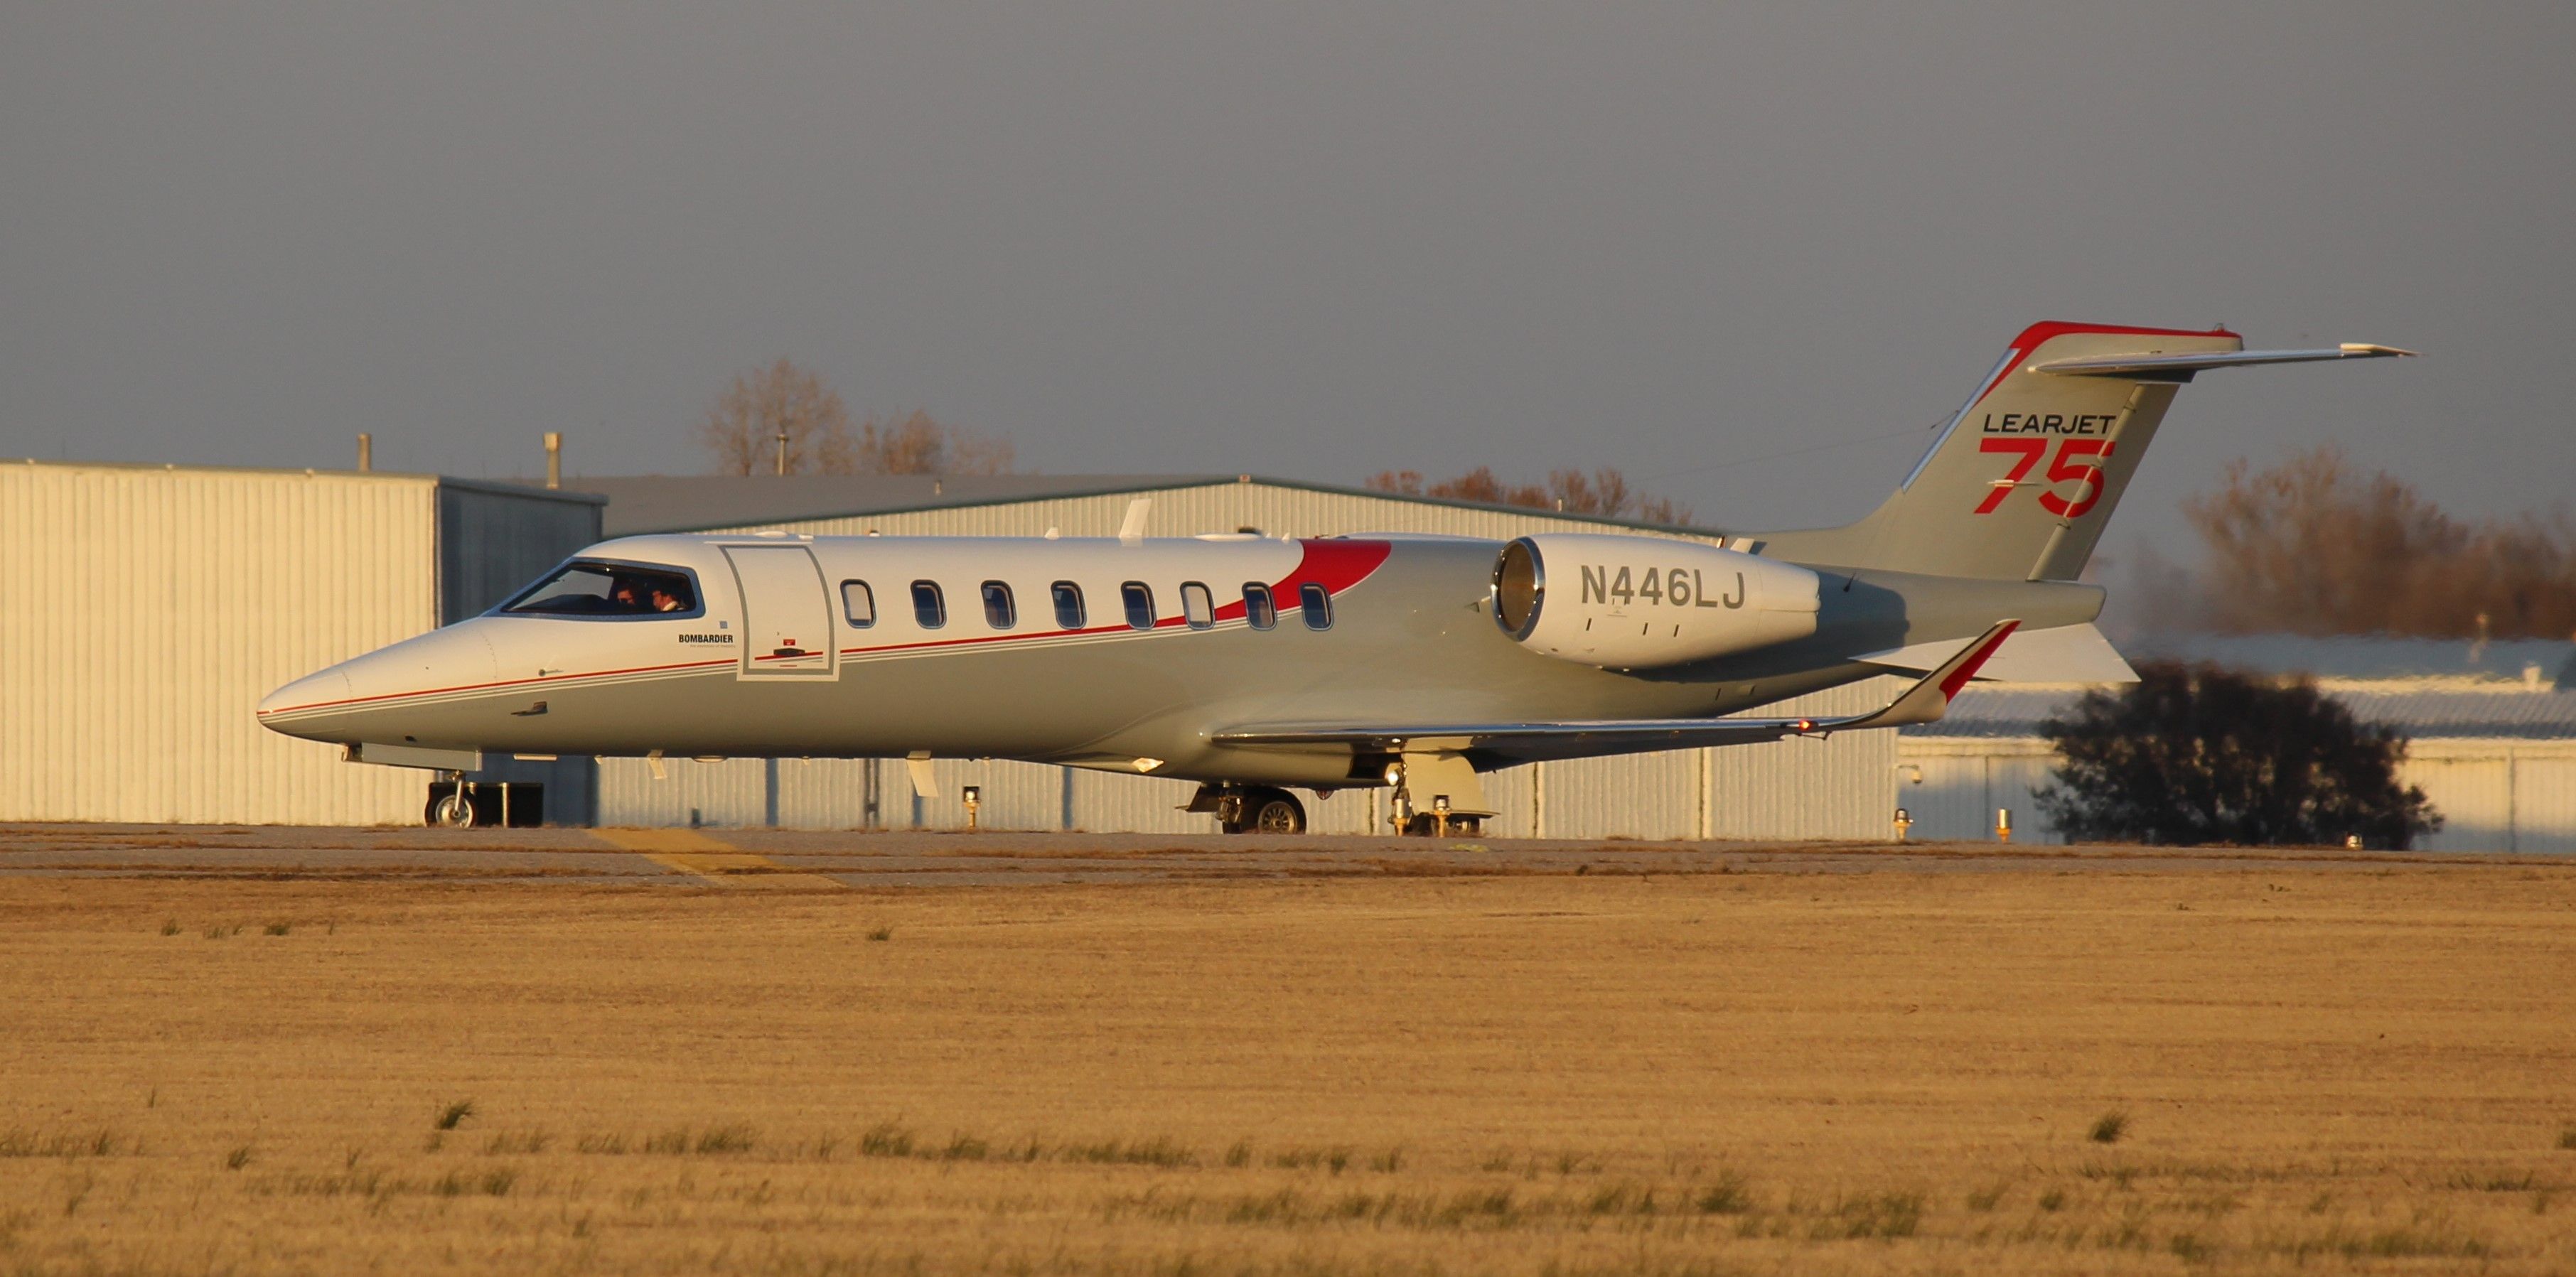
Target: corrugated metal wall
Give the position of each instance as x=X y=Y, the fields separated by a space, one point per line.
x=1805 y=788
x=2494 y=795
x=144 y=611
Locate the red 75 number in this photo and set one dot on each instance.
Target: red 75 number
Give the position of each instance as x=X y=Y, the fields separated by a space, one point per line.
x=2070 y=465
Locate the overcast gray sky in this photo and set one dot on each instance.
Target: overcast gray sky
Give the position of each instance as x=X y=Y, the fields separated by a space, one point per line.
x=1312 y=240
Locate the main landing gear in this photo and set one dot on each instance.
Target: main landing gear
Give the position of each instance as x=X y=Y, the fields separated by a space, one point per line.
x=1251 y=809
x=1263 y=809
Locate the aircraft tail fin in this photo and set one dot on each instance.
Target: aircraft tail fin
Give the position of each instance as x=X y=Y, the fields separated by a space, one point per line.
x=2021 y=482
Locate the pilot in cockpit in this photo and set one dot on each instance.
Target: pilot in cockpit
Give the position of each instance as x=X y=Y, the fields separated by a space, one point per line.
x=600 y=589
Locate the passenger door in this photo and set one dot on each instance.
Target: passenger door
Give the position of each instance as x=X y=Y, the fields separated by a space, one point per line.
x=786 y=612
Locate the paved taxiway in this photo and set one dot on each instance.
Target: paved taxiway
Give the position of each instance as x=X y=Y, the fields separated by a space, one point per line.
x=786 y=859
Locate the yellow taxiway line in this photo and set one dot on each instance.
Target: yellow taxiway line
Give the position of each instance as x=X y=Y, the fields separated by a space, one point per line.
x=725 y=865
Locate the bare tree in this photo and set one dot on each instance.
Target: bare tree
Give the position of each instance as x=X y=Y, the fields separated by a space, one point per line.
x=742 y=432
x=1604 y=493
x=917 y=443
x=2317 y=546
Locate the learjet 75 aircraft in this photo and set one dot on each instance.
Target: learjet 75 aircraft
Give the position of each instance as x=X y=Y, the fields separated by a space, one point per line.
x=1259 y=666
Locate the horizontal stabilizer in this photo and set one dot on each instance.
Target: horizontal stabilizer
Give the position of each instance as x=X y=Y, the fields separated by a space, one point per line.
x=2152 y=365
x=1504 y=744
x=2065 y=654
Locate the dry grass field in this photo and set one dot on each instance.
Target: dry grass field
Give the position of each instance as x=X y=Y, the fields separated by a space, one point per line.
x=2296 y=1070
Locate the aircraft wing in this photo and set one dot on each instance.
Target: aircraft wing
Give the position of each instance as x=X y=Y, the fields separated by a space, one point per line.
x=1508 y=743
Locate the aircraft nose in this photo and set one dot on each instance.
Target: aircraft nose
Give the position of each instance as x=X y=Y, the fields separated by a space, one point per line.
x=300 y=708
x=380 y=696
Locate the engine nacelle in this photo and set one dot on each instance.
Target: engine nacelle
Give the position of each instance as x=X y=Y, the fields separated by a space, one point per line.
x=1628 y=602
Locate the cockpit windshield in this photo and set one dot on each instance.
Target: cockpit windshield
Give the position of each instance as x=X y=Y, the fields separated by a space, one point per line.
x=606 y=589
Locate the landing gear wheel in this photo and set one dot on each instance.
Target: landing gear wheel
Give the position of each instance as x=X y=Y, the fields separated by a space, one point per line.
x=453 y=811
x=1273 y=811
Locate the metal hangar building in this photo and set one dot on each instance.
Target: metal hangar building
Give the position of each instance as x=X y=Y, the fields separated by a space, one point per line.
x=146 y=609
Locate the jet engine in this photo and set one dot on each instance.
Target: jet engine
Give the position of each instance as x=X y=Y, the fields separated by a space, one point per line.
x=1629 y=602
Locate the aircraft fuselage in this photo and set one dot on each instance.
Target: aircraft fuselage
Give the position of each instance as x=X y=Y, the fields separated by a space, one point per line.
x=1094 y=652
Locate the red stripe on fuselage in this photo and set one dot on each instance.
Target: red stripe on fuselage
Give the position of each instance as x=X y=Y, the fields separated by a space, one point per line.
x=485 y=687
x=1336 y=565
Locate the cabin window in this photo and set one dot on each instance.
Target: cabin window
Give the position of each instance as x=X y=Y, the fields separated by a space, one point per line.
x=1068 y=605
x=1258 y=607
x=858 y=604
x=998 y=609
x=1139 y=598
x=1317 y=604
x=928 y=606
x=1198 y=605
x=607 y=589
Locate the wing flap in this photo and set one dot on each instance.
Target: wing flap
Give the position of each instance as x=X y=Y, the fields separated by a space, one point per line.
x=1506 y=743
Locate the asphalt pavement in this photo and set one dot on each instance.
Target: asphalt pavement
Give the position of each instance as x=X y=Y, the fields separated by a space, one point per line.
x=773 y=859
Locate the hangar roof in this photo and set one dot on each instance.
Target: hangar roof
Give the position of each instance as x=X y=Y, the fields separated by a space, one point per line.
x=497 y=487
x=690 y=503
x=693 y=503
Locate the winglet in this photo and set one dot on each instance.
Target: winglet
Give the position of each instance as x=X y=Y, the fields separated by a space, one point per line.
x=1929 y=699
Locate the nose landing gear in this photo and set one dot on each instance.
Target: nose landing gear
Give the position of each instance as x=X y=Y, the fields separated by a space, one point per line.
x=453 y=809
x=452 y=812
